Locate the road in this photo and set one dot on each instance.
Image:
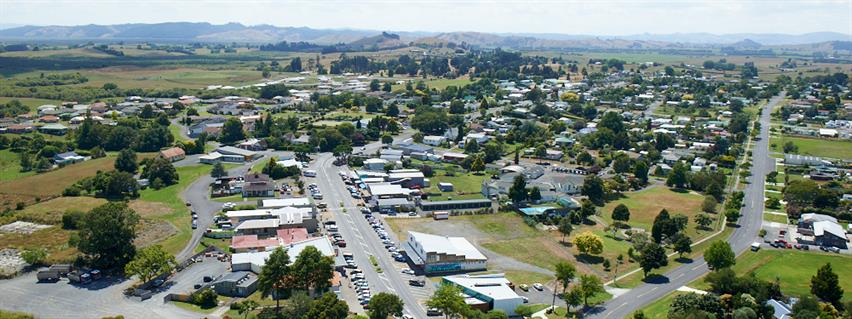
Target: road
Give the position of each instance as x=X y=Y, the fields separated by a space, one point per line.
x=746 y=233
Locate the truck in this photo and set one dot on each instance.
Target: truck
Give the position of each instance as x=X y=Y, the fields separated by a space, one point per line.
x=441 y=215
x=79 y=277
x=47 y=276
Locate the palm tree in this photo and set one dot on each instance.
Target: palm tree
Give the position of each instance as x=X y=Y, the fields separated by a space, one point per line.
x=564 y=273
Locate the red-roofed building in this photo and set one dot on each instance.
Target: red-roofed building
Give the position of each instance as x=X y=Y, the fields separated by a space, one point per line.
x=246 y=243
x=292 y=235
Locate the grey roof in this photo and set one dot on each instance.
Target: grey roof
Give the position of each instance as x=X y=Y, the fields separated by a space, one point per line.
x=461 y=201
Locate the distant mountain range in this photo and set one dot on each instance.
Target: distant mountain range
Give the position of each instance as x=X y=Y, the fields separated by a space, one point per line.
x=235 y=32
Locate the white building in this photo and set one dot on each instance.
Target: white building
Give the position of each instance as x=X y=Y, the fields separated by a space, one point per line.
x=284 y=202
x=440 y=254
x=254 y=261
x=490 y=292
x=434 y=140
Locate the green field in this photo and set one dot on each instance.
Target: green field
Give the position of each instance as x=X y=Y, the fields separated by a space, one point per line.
x=792 y=268
x=30 y=102
x=179 y=215
x=465 y=186
x=646 y=204
x=838 y=149
x=10 y=167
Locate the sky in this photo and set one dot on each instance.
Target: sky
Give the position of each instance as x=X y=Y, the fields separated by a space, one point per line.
x=588 y=17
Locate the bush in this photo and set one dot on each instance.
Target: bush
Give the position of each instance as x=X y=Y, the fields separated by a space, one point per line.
x=71 y=219
x=205 y=298
x=762 y=233
x=34 y=256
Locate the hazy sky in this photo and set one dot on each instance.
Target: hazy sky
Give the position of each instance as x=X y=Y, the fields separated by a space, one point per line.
x=605 y=17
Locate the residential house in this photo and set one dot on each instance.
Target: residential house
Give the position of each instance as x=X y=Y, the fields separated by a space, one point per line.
x=173 y=154
x=68 y=158
x=258 y=185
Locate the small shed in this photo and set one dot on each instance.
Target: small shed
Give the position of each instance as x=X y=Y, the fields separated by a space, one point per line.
x=445 y=187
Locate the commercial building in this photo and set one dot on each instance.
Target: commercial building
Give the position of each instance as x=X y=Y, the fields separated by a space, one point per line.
x=487 y=292
x=236 y=284
x=284 y=217
x=254 y=261
x=298 y=202
x=463 y=204
x=407 y=178
x=440 y=254
x=245 y=155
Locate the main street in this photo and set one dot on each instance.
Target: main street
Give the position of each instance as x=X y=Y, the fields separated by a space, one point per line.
x=746 y=232
x=362 y=240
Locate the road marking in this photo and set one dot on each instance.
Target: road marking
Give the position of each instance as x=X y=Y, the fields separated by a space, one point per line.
x=697 y=267
x=616 y=308
x=647 y=292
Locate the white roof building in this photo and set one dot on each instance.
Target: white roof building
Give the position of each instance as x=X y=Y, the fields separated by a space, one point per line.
x=490 y=289
x=436 y=254
x=284 y=202
x=254 y=261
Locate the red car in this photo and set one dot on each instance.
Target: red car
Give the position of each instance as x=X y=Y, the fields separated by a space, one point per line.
x=341 y=243
x=789 y=246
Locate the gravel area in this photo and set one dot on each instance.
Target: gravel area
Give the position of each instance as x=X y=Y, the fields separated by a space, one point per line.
x=10 y=262
x=22 y=227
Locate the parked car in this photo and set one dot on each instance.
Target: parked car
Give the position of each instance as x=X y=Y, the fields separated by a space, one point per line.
x=524 y=287
x=431 y=312
x=538 y=286
x=407 y=271
x=417 y=282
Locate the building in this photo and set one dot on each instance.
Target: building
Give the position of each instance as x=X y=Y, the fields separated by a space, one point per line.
x=394 y=204
x=236 y=284
x=258 y=185
x=453 y=157
x=440 y=254
x=434 y=140
x=254 y=261
x=802 y=160
x=781 y=309
x=487 y=292
x=375 y=164
x=464 y=204
x=407 y=178
x=252 y=243
x=238 y=153
x=409 y=148
x=53 y=129
x=387 y=190
x=298 y=202
x=253 y=144
x=173 y=154
x=67 y=158
x=824 y=229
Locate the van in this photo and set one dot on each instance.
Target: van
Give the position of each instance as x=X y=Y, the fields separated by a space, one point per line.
x=755 y=246
x=310 y=173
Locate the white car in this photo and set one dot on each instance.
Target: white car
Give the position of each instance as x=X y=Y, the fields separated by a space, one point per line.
x=407 y=271
x=538 y=286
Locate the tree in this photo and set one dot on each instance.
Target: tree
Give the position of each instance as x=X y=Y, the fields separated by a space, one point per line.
x=126 y=161
x=565 y=227
x=703 y=221
x=719 y=255
x=478 y=165
x=588 y=243
x=160 y=169
x=682 y=244
x=383 y=305
x=587 y=209
x=589 y=286
x=150 y=262
x=593 y=188
x=248 y=306
x=825 y=285
x=107 y=233
x=621 y=213
x=640 y=171
x=564 y=274
x=392 y=111
x=232 y=131
x=709 y=204
x=732 y=215
x=447 y=298
x=218 y=170
x=329 y=307
x=677 y=176
x=535 y=194
x=664 y=226
x=275 y=278
x=518 y=191
x=312 y=270
x=651 y=257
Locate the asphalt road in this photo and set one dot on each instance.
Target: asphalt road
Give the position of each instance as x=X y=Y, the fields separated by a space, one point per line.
x=745 y=234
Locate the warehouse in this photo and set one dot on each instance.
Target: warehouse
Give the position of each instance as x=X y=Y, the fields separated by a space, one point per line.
x=487 y=292
x=441 y=254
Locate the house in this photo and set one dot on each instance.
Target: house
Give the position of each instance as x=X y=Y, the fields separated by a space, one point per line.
x=49 y=119
x=375 y=164
x=19 y=128
x=781 y=310
x=392 y=156
x=434 y=140
x=53 y=129
x=236 y=154
x=253 y=144
x=440 y=254
x=258 y=185
x=67 y=158
x=454 y=157
x=236 y=284
x=213 y=158
x=173 y=154
x=487 y=292
x=826 y=231
x=409 y=148
x=407 y=178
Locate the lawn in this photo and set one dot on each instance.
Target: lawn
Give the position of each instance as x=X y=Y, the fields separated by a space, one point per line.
x=659 y=309
x=646 y=204
x=179 y=214
x=10 y=167
x=51 y=184
x=817 y=147
x=32 y=103
x=792 y=268
x=439 y=84
x=465 y=186
x=775 y=218
x=50 y=211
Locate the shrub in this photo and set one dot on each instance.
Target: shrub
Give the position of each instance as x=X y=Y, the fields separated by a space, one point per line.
x=34 y=256
x=71 y=219
x=205 y=298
